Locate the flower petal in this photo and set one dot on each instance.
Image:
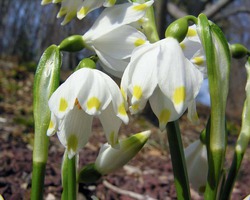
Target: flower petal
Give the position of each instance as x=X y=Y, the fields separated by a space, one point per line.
x=87 y=6
x=94 y=98
x=163 y=108
x=179 y=79
x=109 y=3
x=111 y=124
x=68 y=8
x=190 y=47
x=197 y=164
x=53 y=125
x=120 y=42
x=111 y=65
x=192 y=113
x=117 y=99
x=143 y=73
x=116 y=16
x=63 y=99
x=74 y=130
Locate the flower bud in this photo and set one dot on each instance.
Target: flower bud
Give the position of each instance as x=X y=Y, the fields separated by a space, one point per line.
x=72 y=43
x=179 y=28
x=111 y=159
x=238 y=51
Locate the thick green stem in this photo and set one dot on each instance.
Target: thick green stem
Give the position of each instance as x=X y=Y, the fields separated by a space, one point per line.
x=38 y=174
x=178 y=161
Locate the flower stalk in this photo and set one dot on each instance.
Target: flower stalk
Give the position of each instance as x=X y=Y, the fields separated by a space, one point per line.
x=69 y=182
x=178 y=161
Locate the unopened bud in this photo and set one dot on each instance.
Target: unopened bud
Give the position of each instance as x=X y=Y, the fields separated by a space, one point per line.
x=111 y=159
x=238 y=51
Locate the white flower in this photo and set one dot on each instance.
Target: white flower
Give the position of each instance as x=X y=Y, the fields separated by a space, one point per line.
x=193 y=49
x=113 y=39
x=161 y=73
x=85 y=94
x=79 y=8
x=197 y=165
x=110 y=159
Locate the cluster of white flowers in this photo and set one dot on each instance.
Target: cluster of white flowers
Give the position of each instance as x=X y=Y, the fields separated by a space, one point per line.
x=166 y=73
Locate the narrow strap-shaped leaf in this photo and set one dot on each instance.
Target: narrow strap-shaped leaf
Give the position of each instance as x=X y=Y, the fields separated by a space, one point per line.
x=46 y=82
x=218 y=66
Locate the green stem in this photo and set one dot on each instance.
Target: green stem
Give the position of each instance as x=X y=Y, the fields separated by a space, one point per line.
x=69 y=178
x=72 y=193
x=150 y=28
x=38 y=174
x=178 y=161
x=64 y=175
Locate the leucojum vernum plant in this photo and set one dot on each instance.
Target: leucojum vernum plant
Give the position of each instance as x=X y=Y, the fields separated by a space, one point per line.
x=165 y=73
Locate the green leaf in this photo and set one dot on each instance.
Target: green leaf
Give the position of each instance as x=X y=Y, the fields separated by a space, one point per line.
x=218 y=66
x=46 y=82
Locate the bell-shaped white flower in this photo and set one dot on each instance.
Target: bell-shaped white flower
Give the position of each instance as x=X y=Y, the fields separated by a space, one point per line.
x=85 y=94
x=161 y=73
x=113 y=39
x=197 y=165
x=110 y=159
x=79 y=8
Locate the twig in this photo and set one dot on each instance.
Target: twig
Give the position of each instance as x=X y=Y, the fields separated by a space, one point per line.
x=126 y=192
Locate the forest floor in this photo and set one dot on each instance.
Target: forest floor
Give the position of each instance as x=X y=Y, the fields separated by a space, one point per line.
x=148 y=176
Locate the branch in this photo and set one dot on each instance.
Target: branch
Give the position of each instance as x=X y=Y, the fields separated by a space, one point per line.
x=126 y=192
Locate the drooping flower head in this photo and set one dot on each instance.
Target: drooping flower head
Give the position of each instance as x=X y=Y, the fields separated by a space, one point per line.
x=162 y=74
x=113 y=39
x=85 y=94
x=79 y=8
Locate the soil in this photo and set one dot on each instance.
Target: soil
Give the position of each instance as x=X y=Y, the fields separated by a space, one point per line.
x=148 y=176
